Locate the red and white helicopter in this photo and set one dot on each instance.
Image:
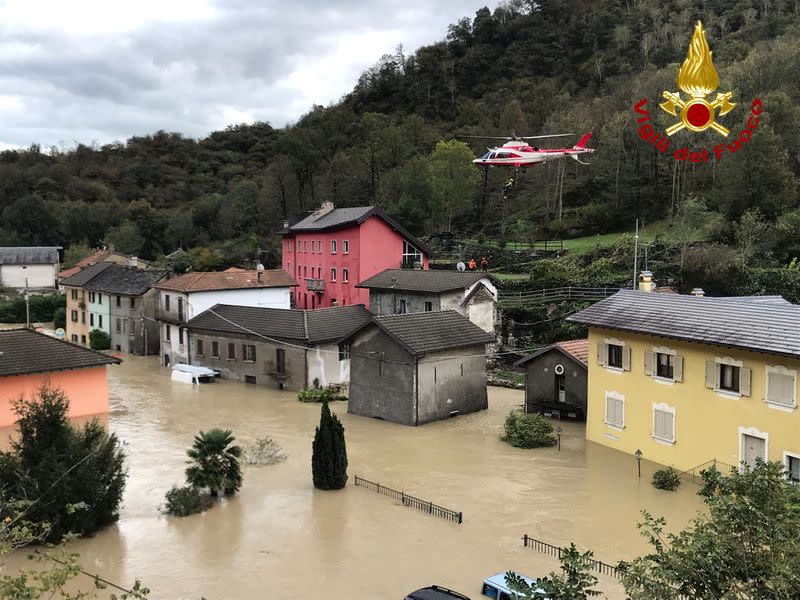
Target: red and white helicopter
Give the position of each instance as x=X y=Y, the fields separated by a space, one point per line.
x=518 y=153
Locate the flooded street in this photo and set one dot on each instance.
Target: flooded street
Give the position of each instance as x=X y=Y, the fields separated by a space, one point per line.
x=280 y=538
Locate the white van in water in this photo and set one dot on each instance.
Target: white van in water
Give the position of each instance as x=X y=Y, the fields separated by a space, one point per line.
x=495 y=587
x=193 y=374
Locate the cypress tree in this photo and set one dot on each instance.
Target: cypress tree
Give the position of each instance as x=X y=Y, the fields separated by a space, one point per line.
x=329 y=456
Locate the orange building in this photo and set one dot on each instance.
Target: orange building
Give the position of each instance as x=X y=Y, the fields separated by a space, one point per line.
x=29 y=359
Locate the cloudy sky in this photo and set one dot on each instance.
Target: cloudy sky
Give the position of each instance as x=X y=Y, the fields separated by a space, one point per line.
x=103 y=70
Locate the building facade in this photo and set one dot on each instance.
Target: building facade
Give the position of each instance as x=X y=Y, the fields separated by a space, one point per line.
x=418 y=367
x=334 y=249
x=555 y=380
x=186 y=296
x=32 y=359
x=33 y=266
x=399 y=291
x=279 y=348
x=689 y=379
x=78 y=303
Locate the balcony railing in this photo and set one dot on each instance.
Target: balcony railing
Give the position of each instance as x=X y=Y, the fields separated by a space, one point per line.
x=315 y=285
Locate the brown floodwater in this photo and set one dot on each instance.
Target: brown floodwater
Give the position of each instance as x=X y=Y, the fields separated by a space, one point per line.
x=281 y=538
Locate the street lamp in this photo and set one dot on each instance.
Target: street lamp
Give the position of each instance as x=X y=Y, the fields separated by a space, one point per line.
x=638 y=455
x=559 y=431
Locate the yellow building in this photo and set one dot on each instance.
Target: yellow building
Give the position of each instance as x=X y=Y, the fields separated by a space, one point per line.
x=78 y=325
x=687 y=379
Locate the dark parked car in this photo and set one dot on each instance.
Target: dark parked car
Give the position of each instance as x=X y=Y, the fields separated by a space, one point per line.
x=435 y=592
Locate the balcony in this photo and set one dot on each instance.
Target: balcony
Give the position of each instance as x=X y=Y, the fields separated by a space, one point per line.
x=315 y=285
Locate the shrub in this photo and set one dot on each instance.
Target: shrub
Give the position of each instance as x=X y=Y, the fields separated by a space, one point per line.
x=99 y=340
x=319 y=395
x=76 y=475
x=329 y=452
x=60 y=318
x=666 y=479
x=528 y=430
x=264 y=451
x=185 y=501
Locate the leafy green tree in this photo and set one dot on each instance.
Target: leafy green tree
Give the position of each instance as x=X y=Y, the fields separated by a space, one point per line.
x=575 y=581
x=744 y=546
x=72 y=478
x=750 y=234
x=215 y=462
x=60 y=317
x=528 y=430
x=126 y=238
x=76 y=253
x=454 y=178
x=329 y=452
x=99 y=340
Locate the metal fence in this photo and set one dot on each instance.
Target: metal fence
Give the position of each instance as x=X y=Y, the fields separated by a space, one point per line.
x=412 y=501
x=695 y=474
x=555 y=295
x=550 y=550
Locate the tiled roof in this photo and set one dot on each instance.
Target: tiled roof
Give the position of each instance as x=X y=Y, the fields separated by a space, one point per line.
x=415 y=280
x=68 y=272
x=24 y=351
x=420 y=333
x=577 y=350
x=339 y=218
x=94 y=258
x=29 y=255
x=84 y=276
x=764 y=324
x=310 y=326
x=227 y=280
x=130 y=281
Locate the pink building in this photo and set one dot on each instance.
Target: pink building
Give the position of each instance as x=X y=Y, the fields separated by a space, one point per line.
x=29 y=359
x=332 y=250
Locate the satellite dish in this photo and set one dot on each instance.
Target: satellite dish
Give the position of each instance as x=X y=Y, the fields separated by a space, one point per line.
x=60 y=333
x=259 y=267
x=461 y=266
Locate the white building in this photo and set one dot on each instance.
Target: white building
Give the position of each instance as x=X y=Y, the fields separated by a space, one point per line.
x=184 y=297
x=37 y=264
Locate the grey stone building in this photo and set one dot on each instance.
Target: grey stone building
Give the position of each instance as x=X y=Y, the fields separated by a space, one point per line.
x=555 y=380
x=132 y=303
x=399 y=291
x=278 y=347
x=420 y=367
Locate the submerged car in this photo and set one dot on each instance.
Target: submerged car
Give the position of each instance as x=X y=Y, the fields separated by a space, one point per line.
x=495 y=587
x=435 y=592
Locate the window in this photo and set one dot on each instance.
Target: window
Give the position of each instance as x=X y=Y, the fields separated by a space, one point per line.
x=74 y=294
x=100 y=320
x=99 y=298
x=402 y=309
x=180 y=336
x=289 y=267
x=231 y=351
x=333 y=246
x=119 y=301
x=83 y=316
x=333 y=274
x=345 y=247
x=344 y=351
x=319 y=246
x=665 y=365
x=251 y=379
x=729 y=378
x=280 y=361
x=664 y=423
x=345 y=275
x=74 y=338
x=91 y=296
x=199 y=347
x=167 y=332
x=133 y=303
x=248 y=353
x=334 y=302
x=91 y=319
x=615 y=410
x=781 y=385
x=166 y=302
x=119 y=326
x=305 y=271
x=180 y=309
x=83 y=340
x=312 y=246
x=305 y=246
x=74 y=316
x=410 y=255
x=428 y=306
x=614 y=356
x=793 y=467
x=215 y=349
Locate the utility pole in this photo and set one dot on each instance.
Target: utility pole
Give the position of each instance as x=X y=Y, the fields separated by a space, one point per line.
x=635 y=253
x=27 y=299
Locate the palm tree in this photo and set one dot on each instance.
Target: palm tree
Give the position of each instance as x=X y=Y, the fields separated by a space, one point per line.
x=215 y=462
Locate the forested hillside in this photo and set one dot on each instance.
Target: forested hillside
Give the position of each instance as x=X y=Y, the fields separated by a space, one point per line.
x=531 y=67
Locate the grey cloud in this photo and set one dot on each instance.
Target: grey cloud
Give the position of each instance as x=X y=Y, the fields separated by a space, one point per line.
x=187 y=76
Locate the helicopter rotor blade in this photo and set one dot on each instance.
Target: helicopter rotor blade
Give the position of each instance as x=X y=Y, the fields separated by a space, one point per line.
x=538 y=137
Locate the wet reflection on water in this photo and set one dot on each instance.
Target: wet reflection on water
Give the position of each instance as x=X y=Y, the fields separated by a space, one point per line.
x=281 y=538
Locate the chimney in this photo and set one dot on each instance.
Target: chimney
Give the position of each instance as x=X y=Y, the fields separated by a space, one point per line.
x=259 y=272
x=286 y=224
x=646 y=283
x=697 y=292
x=133 y=261
x=323 y=210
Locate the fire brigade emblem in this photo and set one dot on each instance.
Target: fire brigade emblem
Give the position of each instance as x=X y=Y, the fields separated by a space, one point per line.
x=698 y=78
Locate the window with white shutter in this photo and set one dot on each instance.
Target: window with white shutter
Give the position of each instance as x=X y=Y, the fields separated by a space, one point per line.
x=781 y=384
x=664 y=423
x=615 y=410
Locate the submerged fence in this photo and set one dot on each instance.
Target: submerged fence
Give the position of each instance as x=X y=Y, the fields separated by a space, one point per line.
x=412 y=501
x=695 y=474
x=550 y=550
